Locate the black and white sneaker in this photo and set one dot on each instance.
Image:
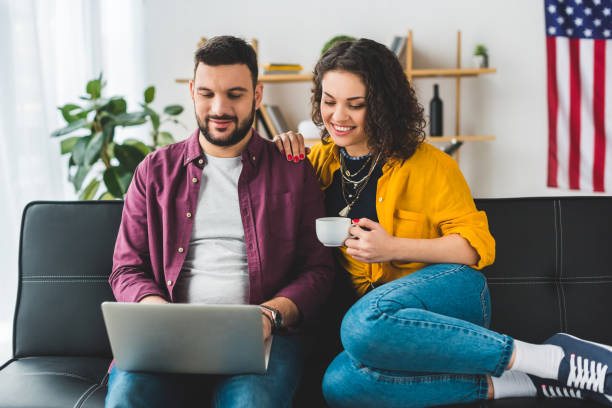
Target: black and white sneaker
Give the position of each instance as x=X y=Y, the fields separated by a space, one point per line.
x=585 y=367
x=547 y=388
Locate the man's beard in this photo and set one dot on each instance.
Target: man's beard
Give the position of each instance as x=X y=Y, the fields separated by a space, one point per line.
x=235 y=137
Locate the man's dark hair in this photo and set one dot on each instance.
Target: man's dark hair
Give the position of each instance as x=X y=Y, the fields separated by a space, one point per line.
x=394 y=118
x=227 y=50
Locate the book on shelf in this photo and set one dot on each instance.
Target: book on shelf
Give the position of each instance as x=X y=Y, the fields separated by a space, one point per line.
x=278 y=120
x=398 y=47
x=272 y=120
x=263 y=117
x=282 y=69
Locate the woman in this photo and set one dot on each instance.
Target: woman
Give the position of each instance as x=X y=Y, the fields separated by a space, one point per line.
x=419 y=334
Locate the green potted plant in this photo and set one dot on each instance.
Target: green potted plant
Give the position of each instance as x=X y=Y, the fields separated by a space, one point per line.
x=92 y=148
x=481 y=56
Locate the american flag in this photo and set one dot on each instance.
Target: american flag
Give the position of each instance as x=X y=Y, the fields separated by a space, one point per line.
x=578 y=34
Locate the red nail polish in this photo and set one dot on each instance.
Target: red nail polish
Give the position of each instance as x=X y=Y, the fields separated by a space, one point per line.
x=355 y=220
x=282 y=151
x=296 y=159
x=302 y=156
x=289 y=157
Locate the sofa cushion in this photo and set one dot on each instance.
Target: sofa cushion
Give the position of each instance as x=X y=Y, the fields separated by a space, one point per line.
x=53 y=382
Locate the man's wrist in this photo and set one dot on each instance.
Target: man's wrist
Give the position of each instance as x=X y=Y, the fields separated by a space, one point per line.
x=274 y=315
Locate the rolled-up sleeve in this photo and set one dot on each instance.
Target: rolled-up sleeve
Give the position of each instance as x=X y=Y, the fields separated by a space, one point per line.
x=456 y=213
x=132 y=276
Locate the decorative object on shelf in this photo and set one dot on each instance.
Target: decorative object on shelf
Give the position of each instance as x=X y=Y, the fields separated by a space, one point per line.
x=310 y=131
x=452 y=147
x=435 y=114
x=481 y=56
x=97 y=120
x=398 y=46
x=336 y=39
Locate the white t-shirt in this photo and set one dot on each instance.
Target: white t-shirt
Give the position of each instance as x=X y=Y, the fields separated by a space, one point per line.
x=215 y=269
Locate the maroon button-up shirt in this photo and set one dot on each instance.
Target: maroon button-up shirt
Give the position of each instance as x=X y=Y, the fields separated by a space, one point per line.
x=279 y=202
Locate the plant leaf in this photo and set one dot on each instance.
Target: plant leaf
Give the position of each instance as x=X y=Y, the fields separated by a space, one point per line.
x=78 y=151
x=90 y=191
x=149 y=94
x=68 y=143
x=109 y=131
x=76 y=125
x=165 y=139
x=173 y=110
x=154 y=117
x=117 y=180
x=131 y=119
x=66 y=112
x=80 y=177
x=94 y=88
x=106 y=196
x=128 y=156
x=110 y=150
x=117 y=105
x=92 y=153
x=139 y=145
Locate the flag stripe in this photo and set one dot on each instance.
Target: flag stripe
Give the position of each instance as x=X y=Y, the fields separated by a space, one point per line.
x=587 y=132
x=574 y=119
x=599 y=88
x=563 y=133
x=607 y=118
x=553 y=103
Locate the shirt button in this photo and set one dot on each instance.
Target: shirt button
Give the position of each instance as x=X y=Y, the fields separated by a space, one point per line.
x=250 y=246
x=169 y=283
x=181 y=250
x=201 y=161
x=195 y=180
x=188 y=215
x=253 y=158
x=379 y=199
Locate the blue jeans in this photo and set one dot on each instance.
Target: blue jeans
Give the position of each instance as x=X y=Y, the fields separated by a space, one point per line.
x=420 y=340
x=273 y=389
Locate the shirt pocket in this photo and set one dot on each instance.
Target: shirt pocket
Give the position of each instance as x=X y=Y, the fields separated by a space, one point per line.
x=409 y=224
x=281 y=215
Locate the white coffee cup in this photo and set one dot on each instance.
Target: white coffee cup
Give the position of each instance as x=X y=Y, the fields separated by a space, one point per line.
x=333 y=231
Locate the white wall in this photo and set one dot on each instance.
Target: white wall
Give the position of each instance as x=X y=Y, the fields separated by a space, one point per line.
x=511 y=104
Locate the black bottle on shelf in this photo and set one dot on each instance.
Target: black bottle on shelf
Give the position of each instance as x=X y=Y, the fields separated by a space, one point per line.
x=435 y=114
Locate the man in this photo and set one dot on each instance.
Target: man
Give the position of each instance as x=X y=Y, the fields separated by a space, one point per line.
x=222 y=218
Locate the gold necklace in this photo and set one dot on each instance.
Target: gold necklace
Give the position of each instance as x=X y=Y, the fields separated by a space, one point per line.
x=346 y=172
x=359 y=188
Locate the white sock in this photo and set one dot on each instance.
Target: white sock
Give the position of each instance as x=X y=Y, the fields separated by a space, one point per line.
x=513 y=384
x=541 y=360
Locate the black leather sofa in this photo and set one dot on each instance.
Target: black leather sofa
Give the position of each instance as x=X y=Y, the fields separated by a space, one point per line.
x=552 y=273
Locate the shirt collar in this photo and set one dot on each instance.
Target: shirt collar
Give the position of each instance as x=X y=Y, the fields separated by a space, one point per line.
x=192 y=148
x=251 y=154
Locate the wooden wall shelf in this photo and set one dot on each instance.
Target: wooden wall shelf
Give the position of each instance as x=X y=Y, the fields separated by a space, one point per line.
x=271 y=79
x=451 y=72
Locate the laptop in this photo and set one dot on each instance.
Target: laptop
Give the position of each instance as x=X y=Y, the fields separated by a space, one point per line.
x=187 y=338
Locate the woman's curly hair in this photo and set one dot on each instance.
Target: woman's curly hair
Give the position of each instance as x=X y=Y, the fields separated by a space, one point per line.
x=394 y=118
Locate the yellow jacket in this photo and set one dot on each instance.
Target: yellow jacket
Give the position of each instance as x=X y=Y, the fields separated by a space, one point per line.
x=424 y=197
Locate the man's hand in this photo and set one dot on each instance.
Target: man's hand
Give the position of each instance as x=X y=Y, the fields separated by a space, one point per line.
x=291 y=144
x=372 y=246
x=153 y=299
